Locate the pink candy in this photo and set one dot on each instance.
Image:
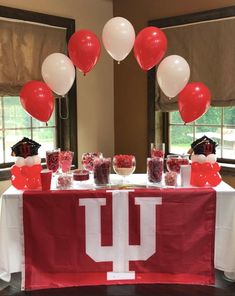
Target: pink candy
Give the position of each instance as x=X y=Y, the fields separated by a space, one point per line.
x=171 y=179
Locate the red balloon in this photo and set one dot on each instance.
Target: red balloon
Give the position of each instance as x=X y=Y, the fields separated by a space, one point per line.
x=84 y=50
x=33 y=183
x=15 y=170
x=206 y=167
x=149 y=47
x=18 y=182
x=25 y=171
x=214 y=179
x=196 y=167
x=194 y=100
x=200 y=180
x=215 y=167
x=37 y=99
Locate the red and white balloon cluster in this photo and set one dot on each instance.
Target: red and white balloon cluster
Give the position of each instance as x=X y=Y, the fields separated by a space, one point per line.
x=205 y=170
x=58 y=70
x=26 y=172
x=118 y=37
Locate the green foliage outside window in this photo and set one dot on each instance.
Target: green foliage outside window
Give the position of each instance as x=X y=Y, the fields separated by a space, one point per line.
x=210 y=124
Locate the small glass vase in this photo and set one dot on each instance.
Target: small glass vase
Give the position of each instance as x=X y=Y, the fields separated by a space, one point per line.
x=65 y=160
x=101 y=171
x=155 y=169
x=52 y=160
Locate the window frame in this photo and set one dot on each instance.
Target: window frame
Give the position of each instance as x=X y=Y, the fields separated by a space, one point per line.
x=167 y=136
x=66 y=134
x=151 y=74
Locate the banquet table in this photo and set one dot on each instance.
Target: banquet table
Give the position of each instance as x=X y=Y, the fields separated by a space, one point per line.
x=11 y=253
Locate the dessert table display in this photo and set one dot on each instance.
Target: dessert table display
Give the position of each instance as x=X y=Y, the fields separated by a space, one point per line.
x=154 y=263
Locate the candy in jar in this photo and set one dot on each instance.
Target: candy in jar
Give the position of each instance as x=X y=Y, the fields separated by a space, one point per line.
x=155 y=169
x=171 y=179
x=102 y=168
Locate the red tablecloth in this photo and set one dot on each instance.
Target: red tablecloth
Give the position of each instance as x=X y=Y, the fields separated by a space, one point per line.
x=74 y=238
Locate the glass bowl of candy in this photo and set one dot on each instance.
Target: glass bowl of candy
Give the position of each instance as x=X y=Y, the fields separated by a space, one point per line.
x=173 y=162
x=64 y=181
x=88 y=160
x=81 y=175
x=124 y=165
x=155 y=169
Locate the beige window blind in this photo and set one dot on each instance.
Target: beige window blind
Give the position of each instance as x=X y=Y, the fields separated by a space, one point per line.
x=209 y=48
x=23 y=47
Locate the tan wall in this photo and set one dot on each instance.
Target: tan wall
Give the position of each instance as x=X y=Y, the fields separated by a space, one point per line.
x=130 y=83
x=95 y=91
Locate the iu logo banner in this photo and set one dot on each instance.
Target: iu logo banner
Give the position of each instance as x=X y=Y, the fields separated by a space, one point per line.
x=76 y=238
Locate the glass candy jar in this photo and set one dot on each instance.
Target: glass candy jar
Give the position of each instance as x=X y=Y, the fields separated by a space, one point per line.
x=173 y=162
x=88 y=160
x=157 y=150
x=155 y=169
x=101 y=170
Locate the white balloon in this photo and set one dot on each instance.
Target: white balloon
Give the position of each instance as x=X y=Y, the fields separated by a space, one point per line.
x=20 y=162
x=118 y=37
x=201 y=158
x=58 y=72
x=36 y=159
x=194 y=158
x=29 y=161
x=211 y=158
x=172 y=75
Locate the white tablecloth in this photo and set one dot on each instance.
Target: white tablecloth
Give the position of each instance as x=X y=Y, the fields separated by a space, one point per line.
x=10 y=241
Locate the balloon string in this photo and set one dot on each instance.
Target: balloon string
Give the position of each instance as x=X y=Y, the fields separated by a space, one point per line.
x=119 y=62
x=46 y=123
x=84 y=74
x=67 y=108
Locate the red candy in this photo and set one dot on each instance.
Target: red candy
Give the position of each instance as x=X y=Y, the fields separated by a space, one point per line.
x=81 y=175
x=88 y=160
x=155 y=169
x=52 y=160
x=64 y=181
x=171 y=179
x=173 y=163
x=102 y=167
x=66 y=158
x=123 y=161
x=157 y=153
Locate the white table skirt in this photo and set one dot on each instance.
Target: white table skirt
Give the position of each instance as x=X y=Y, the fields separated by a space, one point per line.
x=10 y=240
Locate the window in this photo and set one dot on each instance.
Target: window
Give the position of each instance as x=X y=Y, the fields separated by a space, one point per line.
x=218 y=124
x=214 y=68
x=15 y=123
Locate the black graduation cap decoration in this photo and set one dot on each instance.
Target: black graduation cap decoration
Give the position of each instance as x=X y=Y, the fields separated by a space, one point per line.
x=24 y=148
x=204 y=146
